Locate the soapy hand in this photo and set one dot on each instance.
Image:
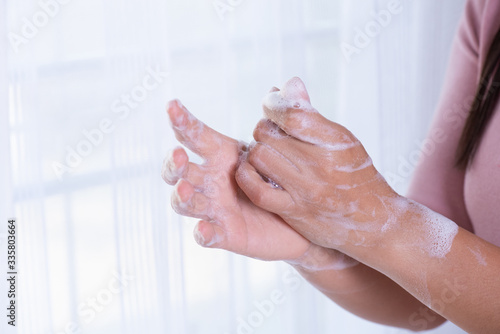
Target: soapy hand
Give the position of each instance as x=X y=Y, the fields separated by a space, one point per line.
x=229 y=220
x=329 y=190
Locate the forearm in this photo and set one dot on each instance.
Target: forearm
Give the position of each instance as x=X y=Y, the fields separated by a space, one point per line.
x=460 y=281
x=330 y=192
x=373 y=296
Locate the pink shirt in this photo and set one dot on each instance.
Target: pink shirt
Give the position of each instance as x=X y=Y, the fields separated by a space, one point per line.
x=470 y=198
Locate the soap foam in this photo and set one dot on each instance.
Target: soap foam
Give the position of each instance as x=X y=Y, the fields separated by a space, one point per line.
x=341 y=140
x=441 y=232
x=351 y=168
x=479 y=256
x=292 y=96
x=275 y=101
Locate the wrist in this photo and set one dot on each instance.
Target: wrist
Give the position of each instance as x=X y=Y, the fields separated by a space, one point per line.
x=414 y=235
x=317 y=258
x=380 y=239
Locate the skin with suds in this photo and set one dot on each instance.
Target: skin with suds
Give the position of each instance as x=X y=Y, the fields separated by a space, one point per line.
x=307 y=192
x=228 y=219
x=338 y=197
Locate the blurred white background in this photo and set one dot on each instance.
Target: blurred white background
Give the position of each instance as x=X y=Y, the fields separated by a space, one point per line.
x=83 y=89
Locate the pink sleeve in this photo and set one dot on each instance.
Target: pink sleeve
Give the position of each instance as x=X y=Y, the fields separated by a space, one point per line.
x=436 y=183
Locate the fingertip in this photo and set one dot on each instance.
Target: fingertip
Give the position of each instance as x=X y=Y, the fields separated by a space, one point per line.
x=171 y=107
x=173 y=104
x=176 y=113
x=296 y=89
x=205 y=234
x=184 y=190
x=167 y=170
x=181 y=197
x=180 y=157
x=199 y=236
x=174 y=165
x=274 y=89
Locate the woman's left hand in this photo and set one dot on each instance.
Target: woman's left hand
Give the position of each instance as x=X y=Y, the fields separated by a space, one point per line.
x=323 y=182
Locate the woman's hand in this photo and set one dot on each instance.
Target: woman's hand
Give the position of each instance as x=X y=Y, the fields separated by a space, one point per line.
x=229 y=220
x=328 y=189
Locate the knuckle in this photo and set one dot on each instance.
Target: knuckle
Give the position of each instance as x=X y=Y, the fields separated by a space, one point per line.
x=240 y=172
x=266 y=128
x=259 y=129
x=254 y=154
x=258 y=197
x=201 y=206
x=294 y=119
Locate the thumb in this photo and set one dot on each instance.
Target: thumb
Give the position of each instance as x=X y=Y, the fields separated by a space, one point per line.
x=295 y=89
x=290 y=108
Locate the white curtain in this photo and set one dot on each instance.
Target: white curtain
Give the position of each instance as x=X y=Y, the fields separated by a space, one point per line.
x=83 y=87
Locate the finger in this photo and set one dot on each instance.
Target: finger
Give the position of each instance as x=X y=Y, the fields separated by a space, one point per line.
x=194 y=134
x=312 y=128
x=292 y=96
x=291 y=110
x=267 y=129
x=298 y=152
x=269 y=133
x=261 y=193
x=295 y=89
x=176 y=166
x=187 y=201
x=301 y=153
x=210 y=235
x=272 y=164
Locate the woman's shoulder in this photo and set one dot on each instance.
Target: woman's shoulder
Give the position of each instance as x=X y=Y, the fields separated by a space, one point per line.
x=481 y=22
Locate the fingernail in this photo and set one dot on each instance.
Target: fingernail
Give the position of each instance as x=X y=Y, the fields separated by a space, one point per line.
x=182 y=202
